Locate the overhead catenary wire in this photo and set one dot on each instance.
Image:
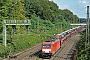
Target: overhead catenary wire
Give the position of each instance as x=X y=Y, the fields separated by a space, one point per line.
x=80 y=10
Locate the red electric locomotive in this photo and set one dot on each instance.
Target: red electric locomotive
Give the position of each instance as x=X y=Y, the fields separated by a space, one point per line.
x=49 y=47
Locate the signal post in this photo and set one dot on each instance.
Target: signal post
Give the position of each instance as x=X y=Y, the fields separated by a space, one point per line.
x=13 y=23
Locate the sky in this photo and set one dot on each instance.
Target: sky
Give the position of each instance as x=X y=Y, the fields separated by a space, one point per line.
x=78 y=7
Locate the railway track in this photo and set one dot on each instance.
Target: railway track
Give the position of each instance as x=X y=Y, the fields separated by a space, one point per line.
x=64 y=53
x=27 y=53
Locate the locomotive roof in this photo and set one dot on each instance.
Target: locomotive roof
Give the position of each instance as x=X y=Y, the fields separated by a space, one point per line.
x=52 y=40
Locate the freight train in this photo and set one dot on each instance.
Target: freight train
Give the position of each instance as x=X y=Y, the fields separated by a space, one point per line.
x=49 y=47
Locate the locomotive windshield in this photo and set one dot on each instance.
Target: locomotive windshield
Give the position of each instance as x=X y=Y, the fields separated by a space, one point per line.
x=46 y=45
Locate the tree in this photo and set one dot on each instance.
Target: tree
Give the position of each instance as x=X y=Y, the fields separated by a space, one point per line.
x=46 y=11
x=3 y=12
x=16 y=10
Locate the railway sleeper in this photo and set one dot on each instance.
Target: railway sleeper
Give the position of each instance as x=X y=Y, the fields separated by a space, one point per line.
x=58 y=56
x=34 y=53
x=10 y=57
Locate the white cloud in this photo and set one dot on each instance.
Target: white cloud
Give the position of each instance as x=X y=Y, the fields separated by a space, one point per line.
x=66 y=6
x=63 y=6
x=83 y=1
x=80 y=1
x=50 y=0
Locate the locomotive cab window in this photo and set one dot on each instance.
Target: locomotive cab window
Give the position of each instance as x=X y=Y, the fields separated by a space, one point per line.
x=46 y=45
x=60 y=37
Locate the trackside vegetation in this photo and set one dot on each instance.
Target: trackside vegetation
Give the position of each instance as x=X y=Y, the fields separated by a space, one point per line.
x=83 y=49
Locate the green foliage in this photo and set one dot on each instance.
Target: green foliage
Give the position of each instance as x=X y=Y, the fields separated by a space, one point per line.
x=47 y=11
x=67 y=15
x=11 y=10
x=25 y=9
x=83 y=49
x=16 y=10
x=0 y=26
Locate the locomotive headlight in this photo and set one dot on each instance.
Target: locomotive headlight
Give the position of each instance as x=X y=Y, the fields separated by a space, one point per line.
x=49 y=51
